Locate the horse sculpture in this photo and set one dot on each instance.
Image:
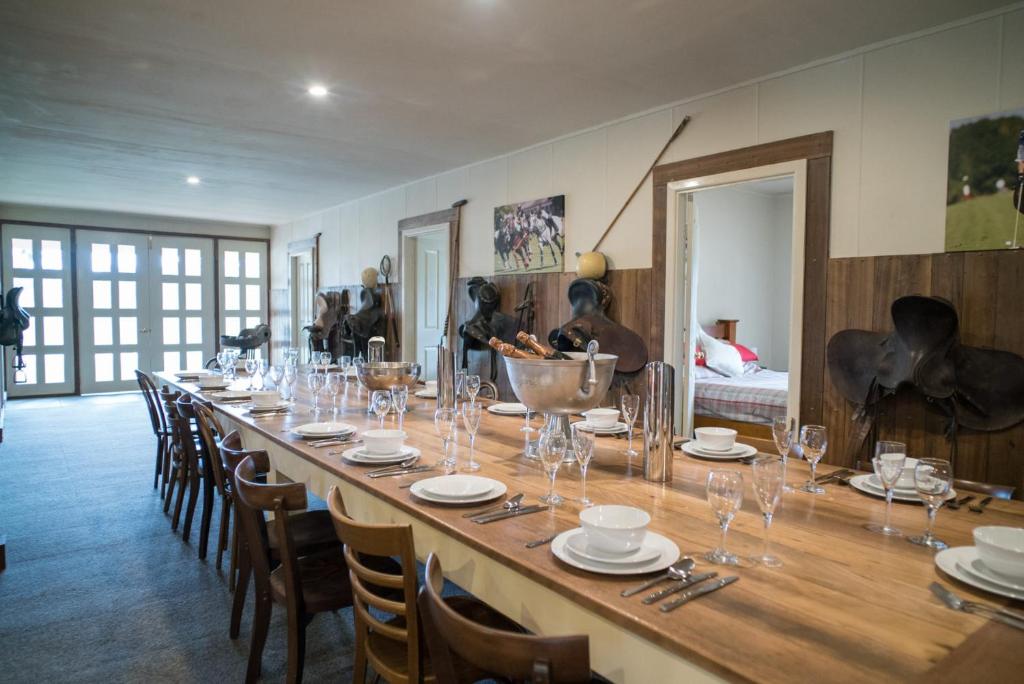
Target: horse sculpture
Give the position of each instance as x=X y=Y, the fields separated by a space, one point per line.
x=14 y=321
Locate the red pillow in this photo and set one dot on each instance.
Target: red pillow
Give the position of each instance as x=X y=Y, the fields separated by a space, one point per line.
x=745 y=354
x=699 y=359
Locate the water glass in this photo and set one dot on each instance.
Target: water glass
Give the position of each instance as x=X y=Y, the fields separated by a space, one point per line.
x=251 y=365
x=526 y=424
x=275 y=373
x=725 y=496
x=783 y=431
x=289 y=376
x=262 y=366
x=890 y=457
x=460 y=385
x=583 y=450
x=380 y=402
x=345 y=363
x=551 y=450
x=932 y=478
x=400 y=399
x=769 y=481
x=813 y=442
x=335 y=384
x=444 y=426
x=630 y=408
x=315 y=382
x=471 y=414
x=472 y=387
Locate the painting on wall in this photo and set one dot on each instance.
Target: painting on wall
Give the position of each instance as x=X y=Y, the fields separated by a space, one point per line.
x=983 y=198
x=529 y=237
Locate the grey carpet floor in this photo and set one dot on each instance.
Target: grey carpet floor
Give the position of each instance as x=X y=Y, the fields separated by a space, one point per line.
x=97 y=587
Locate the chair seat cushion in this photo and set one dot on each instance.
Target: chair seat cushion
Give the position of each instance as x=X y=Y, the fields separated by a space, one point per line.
x=311 y=531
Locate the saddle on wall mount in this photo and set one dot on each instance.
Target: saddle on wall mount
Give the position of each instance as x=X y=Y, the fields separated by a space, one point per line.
x=486 y=323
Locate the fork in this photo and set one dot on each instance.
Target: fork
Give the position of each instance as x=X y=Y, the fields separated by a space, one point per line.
x=955 y=504
x=980 y=506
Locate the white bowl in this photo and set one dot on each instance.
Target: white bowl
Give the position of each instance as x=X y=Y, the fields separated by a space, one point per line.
x=715 y=438
x=602 y=417
x=265 y=397
x=210 y=381
x=431 y=385
x=1001 y=549
x=615 y=529
x=383 y=441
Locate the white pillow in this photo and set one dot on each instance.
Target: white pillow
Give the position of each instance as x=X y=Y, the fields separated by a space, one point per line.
x=705 y=373
x=721 y=357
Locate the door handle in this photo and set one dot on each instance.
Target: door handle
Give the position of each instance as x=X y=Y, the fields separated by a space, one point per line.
x=145 y=330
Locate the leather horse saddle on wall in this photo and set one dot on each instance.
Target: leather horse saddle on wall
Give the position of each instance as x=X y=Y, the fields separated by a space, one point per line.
x=977 y=388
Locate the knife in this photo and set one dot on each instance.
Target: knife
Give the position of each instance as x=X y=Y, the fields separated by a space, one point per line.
x=503 y=506
x=831 y=476
x=494 y=517
x=1007 y=616
x=980 y=506
x=697 y=592
x=677 y=587
x=393 y=473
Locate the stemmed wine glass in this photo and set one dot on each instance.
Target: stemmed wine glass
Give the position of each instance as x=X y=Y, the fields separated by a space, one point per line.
x=526 y=425
x=813 y=442
x=890 y=457
x=551 y=451
x=444 y=426
x=460 y=386
x=400 y=399
x=783 y=431
x=345 y=363
x=471 y=414
x=223 y=359
x=262 y=367
x=251 y=366
x=334 y=384
x=325 y=359
x=315 y=382
x=275 y=373
x=769 y=481
x=725 y=495
x=583 y=449
x=289 y=376
x=630 y=407
x=380 y=402
x=472 y=387
x=932 y=479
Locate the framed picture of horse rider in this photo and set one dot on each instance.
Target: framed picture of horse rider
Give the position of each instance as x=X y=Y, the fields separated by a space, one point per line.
x=529 y=237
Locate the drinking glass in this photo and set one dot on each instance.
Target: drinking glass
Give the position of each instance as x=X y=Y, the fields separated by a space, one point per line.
x=251 y=365
x=380 y=402
x=472 y=387
x=444 y=426
x=345 y=363
x=335 y=383
x=783 y=431
x=583 y=449
x=526 y=425
x=325 y=359
x=289 y=376
x=890 y=457
x=725 y=495
x=932 y=479
x=460 y=386
x=471 y=419
x=400 y=399
x=769 y=481
x=262 y=366
x=223 y=359
x=275 y=373
x=315 y=382
x=813 y=442
x=551 y=450
x=630 y=407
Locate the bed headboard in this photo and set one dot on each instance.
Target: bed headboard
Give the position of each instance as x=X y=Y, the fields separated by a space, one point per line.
x=723 y=329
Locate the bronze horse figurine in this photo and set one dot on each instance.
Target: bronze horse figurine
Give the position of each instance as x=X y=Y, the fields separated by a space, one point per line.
x=14 y=321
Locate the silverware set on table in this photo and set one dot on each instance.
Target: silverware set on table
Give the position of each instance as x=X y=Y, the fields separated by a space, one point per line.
x=1007 y=616
x=684 y=580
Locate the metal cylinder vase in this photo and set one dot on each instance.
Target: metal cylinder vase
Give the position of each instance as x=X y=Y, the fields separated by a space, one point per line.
x=659 y=418
x=445 y=377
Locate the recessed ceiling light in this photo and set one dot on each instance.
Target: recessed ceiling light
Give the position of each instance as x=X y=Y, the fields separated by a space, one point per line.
x=317 y=90
x=193 y=180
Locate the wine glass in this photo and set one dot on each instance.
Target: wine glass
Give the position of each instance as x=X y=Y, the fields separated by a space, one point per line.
x=890 y=457
x=813 y=442
x=460 y=386
x=289 y=376
x=325 y=359
x=725 y=495
x=583 y=449
x=345 y=363
x=315 y=382
x=769 y=481
x=334 y=385
x=380 y=402
x=932 y=479
x=630 y=407
x=262 y=366
x=551 y=450
x=444 y=426
x=251 y=366
x=472 y=387
x=526 y=425
x=400 y=399
x=223 y=359
x=275 y=373
x=783 y=431
x=471 y=419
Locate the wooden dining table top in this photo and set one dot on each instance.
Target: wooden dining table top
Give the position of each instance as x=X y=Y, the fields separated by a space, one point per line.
x=847 y=604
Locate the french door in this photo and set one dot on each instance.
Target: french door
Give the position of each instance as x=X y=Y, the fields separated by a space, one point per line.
x=243 y=290
x=183 y=302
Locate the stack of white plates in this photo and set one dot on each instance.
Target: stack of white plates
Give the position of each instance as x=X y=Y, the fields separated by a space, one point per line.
x=322 y=430
x=507 y=409
x=616 y=429
x=656 y=553
x=964 y=564
x=214 y=387
x=425 y=394
x=458 y=489
x=232 y=395
x=266 y=408
x=870 y=484
x=192 y=375
x=361 y=456
x=736 y=452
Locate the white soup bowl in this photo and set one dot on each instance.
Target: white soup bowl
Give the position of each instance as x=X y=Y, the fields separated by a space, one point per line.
x=715 y=438
x=615 y=529
x=383 y=441
x=1001 y=549
x=265 y=397
x=602 y=417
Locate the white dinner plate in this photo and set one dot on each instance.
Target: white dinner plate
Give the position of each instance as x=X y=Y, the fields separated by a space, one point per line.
x=498 y=489
x=691 y=449
x=577 y=544
x=317 y=430
x=219 y=387
x=263 y=408
x=458 y=487
x=903 y=485
x=972 y=564
x=950 y=561
x=619 y=427
x=190 y=375
x=507 y=409
x=425 y=394
x=232 y=395
x=863 y=483
x=358 y=455
x=668 y=554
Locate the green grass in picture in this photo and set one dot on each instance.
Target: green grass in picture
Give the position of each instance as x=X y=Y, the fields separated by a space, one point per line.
x=985 y=222
x=535 y=263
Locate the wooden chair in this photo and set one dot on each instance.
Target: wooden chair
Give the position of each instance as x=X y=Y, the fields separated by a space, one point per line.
x=200 y=477
x=392 y=647
x=178 y=476
x=995 y=491
x=463 y=650
x=210 y=434
x=488 y=390
x=160 y=429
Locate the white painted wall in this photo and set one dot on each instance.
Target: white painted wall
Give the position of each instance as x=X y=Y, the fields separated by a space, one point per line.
x=889 y=105
x=743 y=243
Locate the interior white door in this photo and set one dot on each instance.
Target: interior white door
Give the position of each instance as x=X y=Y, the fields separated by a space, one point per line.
x=38 y=259
x=243 y=286
x=431 y=297
x=183 y=318
x=114 y=330
x=301 y=284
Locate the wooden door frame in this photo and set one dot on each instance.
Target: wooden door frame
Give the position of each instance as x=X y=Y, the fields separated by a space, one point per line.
x=816 y=150
x=450 y=216
x=296 y=248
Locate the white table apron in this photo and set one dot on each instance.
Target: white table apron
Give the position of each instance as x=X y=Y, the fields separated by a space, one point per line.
x=615 y=653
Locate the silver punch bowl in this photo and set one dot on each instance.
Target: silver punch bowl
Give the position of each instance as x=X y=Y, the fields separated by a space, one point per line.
x=381 y=375
x=561 y=387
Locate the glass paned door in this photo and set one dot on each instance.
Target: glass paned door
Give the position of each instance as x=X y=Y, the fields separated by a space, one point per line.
x=243 y=286
x=114 y=328
x=38 y=259
x=182 y=303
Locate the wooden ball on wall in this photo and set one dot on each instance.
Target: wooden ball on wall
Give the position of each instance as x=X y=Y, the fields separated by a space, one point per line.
x=591 y=265
x=369 y=277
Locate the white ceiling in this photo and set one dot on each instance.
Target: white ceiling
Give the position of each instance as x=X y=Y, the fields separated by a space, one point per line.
x=110 y=104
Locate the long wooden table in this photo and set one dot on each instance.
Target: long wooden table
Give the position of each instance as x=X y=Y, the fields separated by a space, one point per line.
x=848 y=605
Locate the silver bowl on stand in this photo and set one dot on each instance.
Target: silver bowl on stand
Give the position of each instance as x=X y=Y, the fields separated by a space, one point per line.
x=383 y=375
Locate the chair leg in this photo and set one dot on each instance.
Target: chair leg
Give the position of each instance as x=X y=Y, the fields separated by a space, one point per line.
x=179 y=499
x=159 y=461
x=241 y=589
x=296 y=646
x=193 y=499
x=222 y=538
x=260 y=627
x=233 y=568
x=165 y=442
x=169 y=494
x=207 y=519
x=359 y=666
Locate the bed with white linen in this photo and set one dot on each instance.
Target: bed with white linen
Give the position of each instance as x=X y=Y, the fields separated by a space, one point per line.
x=757 y=396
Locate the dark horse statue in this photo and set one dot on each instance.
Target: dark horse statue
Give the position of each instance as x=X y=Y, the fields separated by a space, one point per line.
x=14 y=321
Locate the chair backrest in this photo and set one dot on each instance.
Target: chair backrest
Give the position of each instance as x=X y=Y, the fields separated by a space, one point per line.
x=456 y=641
x=488 y=390
x=993 y=490
x=231 y=454
x=149 y=393
x=169 y=398
x=364 y=539
x=209 y=431
x=252 y=499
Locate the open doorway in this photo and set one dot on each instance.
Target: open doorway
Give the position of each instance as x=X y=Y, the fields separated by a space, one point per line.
x=425 y=278
x=303 y=283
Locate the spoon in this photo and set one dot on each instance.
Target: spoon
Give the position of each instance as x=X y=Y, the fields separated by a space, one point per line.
x=683 y=565
x=681 y=572
x=407 y=463
x=509 y=505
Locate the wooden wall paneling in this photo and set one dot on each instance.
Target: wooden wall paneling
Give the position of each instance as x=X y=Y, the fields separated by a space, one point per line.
x=657 y=284
x=1005 y=452
x=818 y=210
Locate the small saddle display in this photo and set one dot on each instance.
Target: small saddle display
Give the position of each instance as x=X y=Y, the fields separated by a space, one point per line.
x=590 y=300
x=486 y=323
x=249 y=338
